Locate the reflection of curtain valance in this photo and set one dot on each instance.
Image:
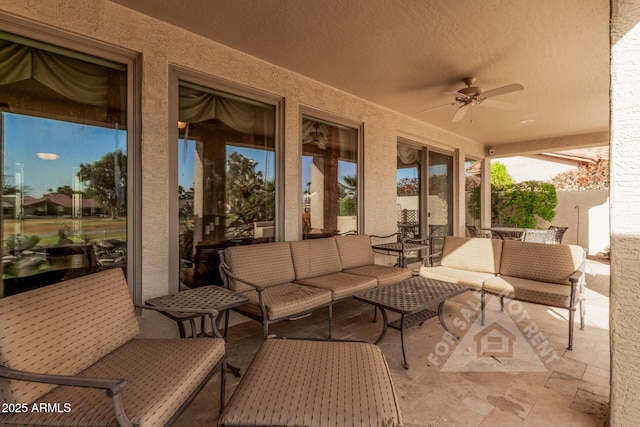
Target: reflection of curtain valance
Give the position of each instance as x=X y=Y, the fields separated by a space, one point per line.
x=408 y=155
x=74 y=79
x=198 y=106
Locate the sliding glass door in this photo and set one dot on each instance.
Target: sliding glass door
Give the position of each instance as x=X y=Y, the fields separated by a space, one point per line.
x=440 y=196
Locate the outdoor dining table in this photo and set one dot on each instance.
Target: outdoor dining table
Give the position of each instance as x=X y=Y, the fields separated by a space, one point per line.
x=506 y=233
x=403 y=247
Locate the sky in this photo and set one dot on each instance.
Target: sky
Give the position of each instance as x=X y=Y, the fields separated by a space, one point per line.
x=25 y=136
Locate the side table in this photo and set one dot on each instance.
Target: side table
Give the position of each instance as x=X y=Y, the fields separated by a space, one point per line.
x=205 y=297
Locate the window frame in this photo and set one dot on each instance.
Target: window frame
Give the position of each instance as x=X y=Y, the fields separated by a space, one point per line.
x=133 y=61
x=177 y=74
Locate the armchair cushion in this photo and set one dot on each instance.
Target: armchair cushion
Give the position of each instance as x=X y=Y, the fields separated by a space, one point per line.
x=260 y=264
x=386 y=275
x=63 y=329
x=473 y=254
x=530 y=290
x=540 y=261
x=355 y=251
x=287 y=299
x=316 y=257
x=341 y=285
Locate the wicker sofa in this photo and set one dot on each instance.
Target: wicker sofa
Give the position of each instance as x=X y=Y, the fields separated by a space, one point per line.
x=539 y=273
x=288 y=280
x=70 y=351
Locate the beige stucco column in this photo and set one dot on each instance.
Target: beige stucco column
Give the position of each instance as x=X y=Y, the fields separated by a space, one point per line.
x=625 y=212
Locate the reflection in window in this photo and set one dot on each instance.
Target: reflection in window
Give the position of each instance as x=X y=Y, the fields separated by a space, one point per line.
x=329 y=178
x=226 y=177
x=473 y=175
x=64 y=165
x=408 y=193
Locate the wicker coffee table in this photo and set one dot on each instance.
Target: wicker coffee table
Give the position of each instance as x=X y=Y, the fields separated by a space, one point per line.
x=412 y=298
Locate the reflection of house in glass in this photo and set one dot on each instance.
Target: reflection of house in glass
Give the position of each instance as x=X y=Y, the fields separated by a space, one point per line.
x=54 y=204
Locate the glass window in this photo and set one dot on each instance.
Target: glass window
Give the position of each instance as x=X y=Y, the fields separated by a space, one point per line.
x=226 y=177
x=408 y=194
x=63 y=127
x=440 y=197
x=329 y=178
x=473 y=175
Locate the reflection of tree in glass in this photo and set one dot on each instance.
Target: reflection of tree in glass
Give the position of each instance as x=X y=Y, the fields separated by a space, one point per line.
x=348 y=195
x=249 y=197
x=106 y=181
x=408 y=187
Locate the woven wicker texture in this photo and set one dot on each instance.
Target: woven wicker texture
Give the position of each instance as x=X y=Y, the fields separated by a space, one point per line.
x=355 y=251
x=59 y=329
x=313 y=383
x=540 y=261
x=385 y=274
x=154 y=390
x=286 y=300
x=265 y=265
x=472 y=253
x=341 y=285
x=530 y=290
x=472 y=279
x=316 y=257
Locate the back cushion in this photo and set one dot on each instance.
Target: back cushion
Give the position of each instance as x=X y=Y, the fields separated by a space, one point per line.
x=355 y=251
x=63 y=329
x=265 y=264
x=315 y=257
x=541 y=261
x=472 y=253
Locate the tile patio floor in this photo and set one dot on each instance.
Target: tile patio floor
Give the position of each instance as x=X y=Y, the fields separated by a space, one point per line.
x=572 y=390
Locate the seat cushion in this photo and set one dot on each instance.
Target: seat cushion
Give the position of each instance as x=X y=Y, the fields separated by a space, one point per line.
x=355 y=251
x=386 y=275
x=286 y=300
x=315 y=257
x=530 y=290
x=311 y=383
x=464 y=277
x=342 y=285
x=266 y=264
x=160 y=373
x=472 y=254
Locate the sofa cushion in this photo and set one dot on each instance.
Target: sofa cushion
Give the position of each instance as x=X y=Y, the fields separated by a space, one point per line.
x=355 y=251
x=315 y=257
x=160 y=374
x=464 y=277
x=385 y=274
x=286 y=300
x=472 y=254
x=61 y=329
x=540 y=261
x=265 y=264
x=530 y=290
x=342 y=285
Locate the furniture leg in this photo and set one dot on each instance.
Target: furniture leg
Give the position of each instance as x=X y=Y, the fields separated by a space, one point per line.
x=404 y=354
x=482 y=303
x=385 y=324
x=444 y=325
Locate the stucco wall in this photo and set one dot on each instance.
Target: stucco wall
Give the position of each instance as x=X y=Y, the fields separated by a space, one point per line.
x=160 y=45
x=625 y=208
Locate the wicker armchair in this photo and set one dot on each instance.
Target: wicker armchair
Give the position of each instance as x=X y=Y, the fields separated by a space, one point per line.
x=539 y=236
x=559 y=233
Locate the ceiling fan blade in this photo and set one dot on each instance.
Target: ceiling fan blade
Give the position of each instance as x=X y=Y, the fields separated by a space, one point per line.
x=460 y=112
x=435 y=108
x=502 y=90
x=496 y=103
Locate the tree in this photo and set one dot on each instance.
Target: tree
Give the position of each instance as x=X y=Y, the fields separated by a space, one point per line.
x=106 y=181
x=348 y=196
x=591 y=176
x=408 y=187
x=250 y=198
x=499 y=175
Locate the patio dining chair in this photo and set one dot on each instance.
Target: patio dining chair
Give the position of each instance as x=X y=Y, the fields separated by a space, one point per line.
x=538 y=236
x=475 y=232
x=559 y=233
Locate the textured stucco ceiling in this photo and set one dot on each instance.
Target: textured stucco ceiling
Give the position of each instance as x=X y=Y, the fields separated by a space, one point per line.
x=403 y=54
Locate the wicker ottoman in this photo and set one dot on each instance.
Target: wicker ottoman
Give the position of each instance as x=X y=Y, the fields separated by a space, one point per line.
x=314 y=383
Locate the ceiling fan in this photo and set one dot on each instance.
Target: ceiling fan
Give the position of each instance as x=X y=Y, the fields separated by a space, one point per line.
x=472 y=95
x=316 y=136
